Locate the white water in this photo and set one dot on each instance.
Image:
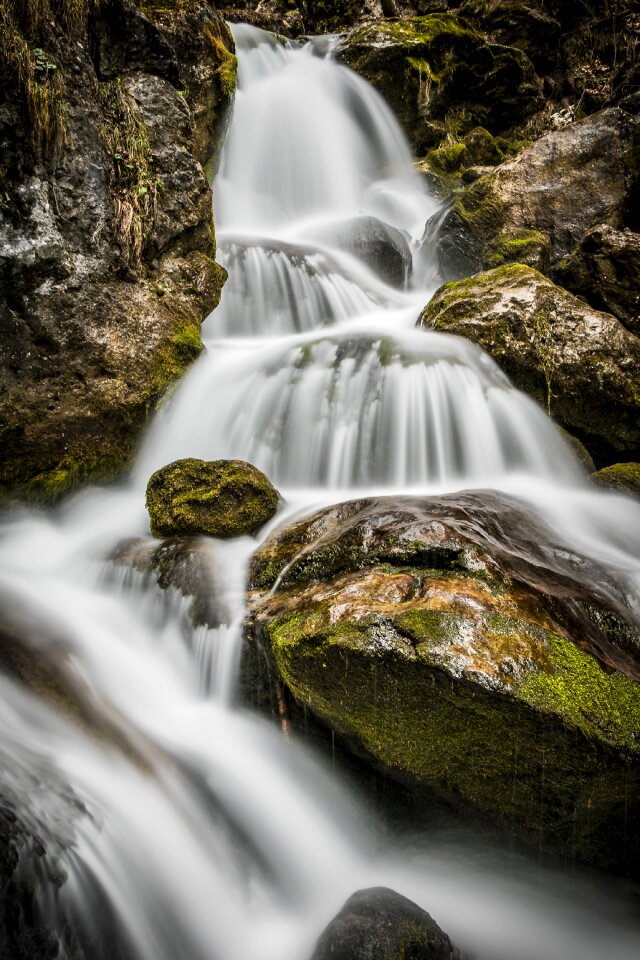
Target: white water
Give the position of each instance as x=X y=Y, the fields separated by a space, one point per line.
x=209 y=835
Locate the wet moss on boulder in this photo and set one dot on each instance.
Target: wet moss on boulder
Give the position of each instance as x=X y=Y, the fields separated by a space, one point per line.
x=619 y=478
x=219 y=498
x=563 y=185
x=438 y=639
x=580 y=363
x=441 y=76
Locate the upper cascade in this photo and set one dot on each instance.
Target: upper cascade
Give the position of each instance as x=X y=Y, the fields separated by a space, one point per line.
x=311 y=140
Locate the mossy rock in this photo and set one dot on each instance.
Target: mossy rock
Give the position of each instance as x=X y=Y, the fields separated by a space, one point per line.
x=441 y=76
x=619 y=478
x=580 y=363
x=543 y=190
x=519 y=246
x=219 y=498
x=436 y=639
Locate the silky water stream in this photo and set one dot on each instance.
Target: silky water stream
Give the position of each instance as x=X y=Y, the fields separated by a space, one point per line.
x=181 y=823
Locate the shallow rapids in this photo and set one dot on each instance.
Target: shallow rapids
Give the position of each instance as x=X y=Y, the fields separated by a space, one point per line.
x=181 y=825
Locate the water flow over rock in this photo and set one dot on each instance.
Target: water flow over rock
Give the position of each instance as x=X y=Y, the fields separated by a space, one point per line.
x=210 y=836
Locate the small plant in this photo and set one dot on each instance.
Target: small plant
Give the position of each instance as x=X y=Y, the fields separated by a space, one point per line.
x=135 y=190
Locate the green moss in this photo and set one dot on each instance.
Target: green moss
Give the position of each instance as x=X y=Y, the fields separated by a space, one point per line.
x=530 y=247
x=541 y=758
x=227 y=62
x=222 y=498
x=418 y=31
x=621 y=477
x=605 y=707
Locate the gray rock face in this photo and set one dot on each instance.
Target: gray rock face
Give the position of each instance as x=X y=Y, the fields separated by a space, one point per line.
x=581 y=363
x=382 y=924
x=106 y=244
x=563 y=185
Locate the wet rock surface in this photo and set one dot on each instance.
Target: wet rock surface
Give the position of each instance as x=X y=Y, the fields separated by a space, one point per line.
x=382 y=247
x=106 y=239
x=218 y=498
x=186 y=564
x=454 y=644
x=383 y=924
x=604 y=270
x=565 y=184
x=580 y=363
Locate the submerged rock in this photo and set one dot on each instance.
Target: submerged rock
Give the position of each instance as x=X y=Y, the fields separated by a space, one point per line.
x=184 y=563
x=382 y=247
x=218 y=498
x=565 y=184
x=433 y=67
x=453 y=643
x=582 y=364
x=382 y=924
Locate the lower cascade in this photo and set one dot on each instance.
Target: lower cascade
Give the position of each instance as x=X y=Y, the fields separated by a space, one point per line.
x=177 y=822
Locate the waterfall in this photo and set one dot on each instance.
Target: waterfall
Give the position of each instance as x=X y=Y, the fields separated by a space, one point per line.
x=184 y=824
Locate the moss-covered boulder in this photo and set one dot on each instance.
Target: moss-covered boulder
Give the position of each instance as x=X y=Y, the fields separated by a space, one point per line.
x=563 y=185
x=604 y=269
x=440 y=75
x=455 y=162
x=619 y=478
x=583 y=365
x=218 y=498
x=381 y=924
x=457 y=646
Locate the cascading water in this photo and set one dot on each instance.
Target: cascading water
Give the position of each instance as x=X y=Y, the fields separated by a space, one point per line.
x=195 y=829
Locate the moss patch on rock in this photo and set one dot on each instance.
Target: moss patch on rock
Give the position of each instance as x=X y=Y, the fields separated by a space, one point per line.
x=220 y=498
x=441 y=76
x=620 y=477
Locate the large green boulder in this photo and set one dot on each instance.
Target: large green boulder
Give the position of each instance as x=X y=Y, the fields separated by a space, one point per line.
x=439 y=74
x=457 y=646
x=218 y=498
x=583 y=365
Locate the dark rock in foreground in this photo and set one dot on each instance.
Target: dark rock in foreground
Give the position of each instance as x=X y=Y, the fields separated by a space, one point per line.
x=220 y=498
x=456 y=645
x=381 y=924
